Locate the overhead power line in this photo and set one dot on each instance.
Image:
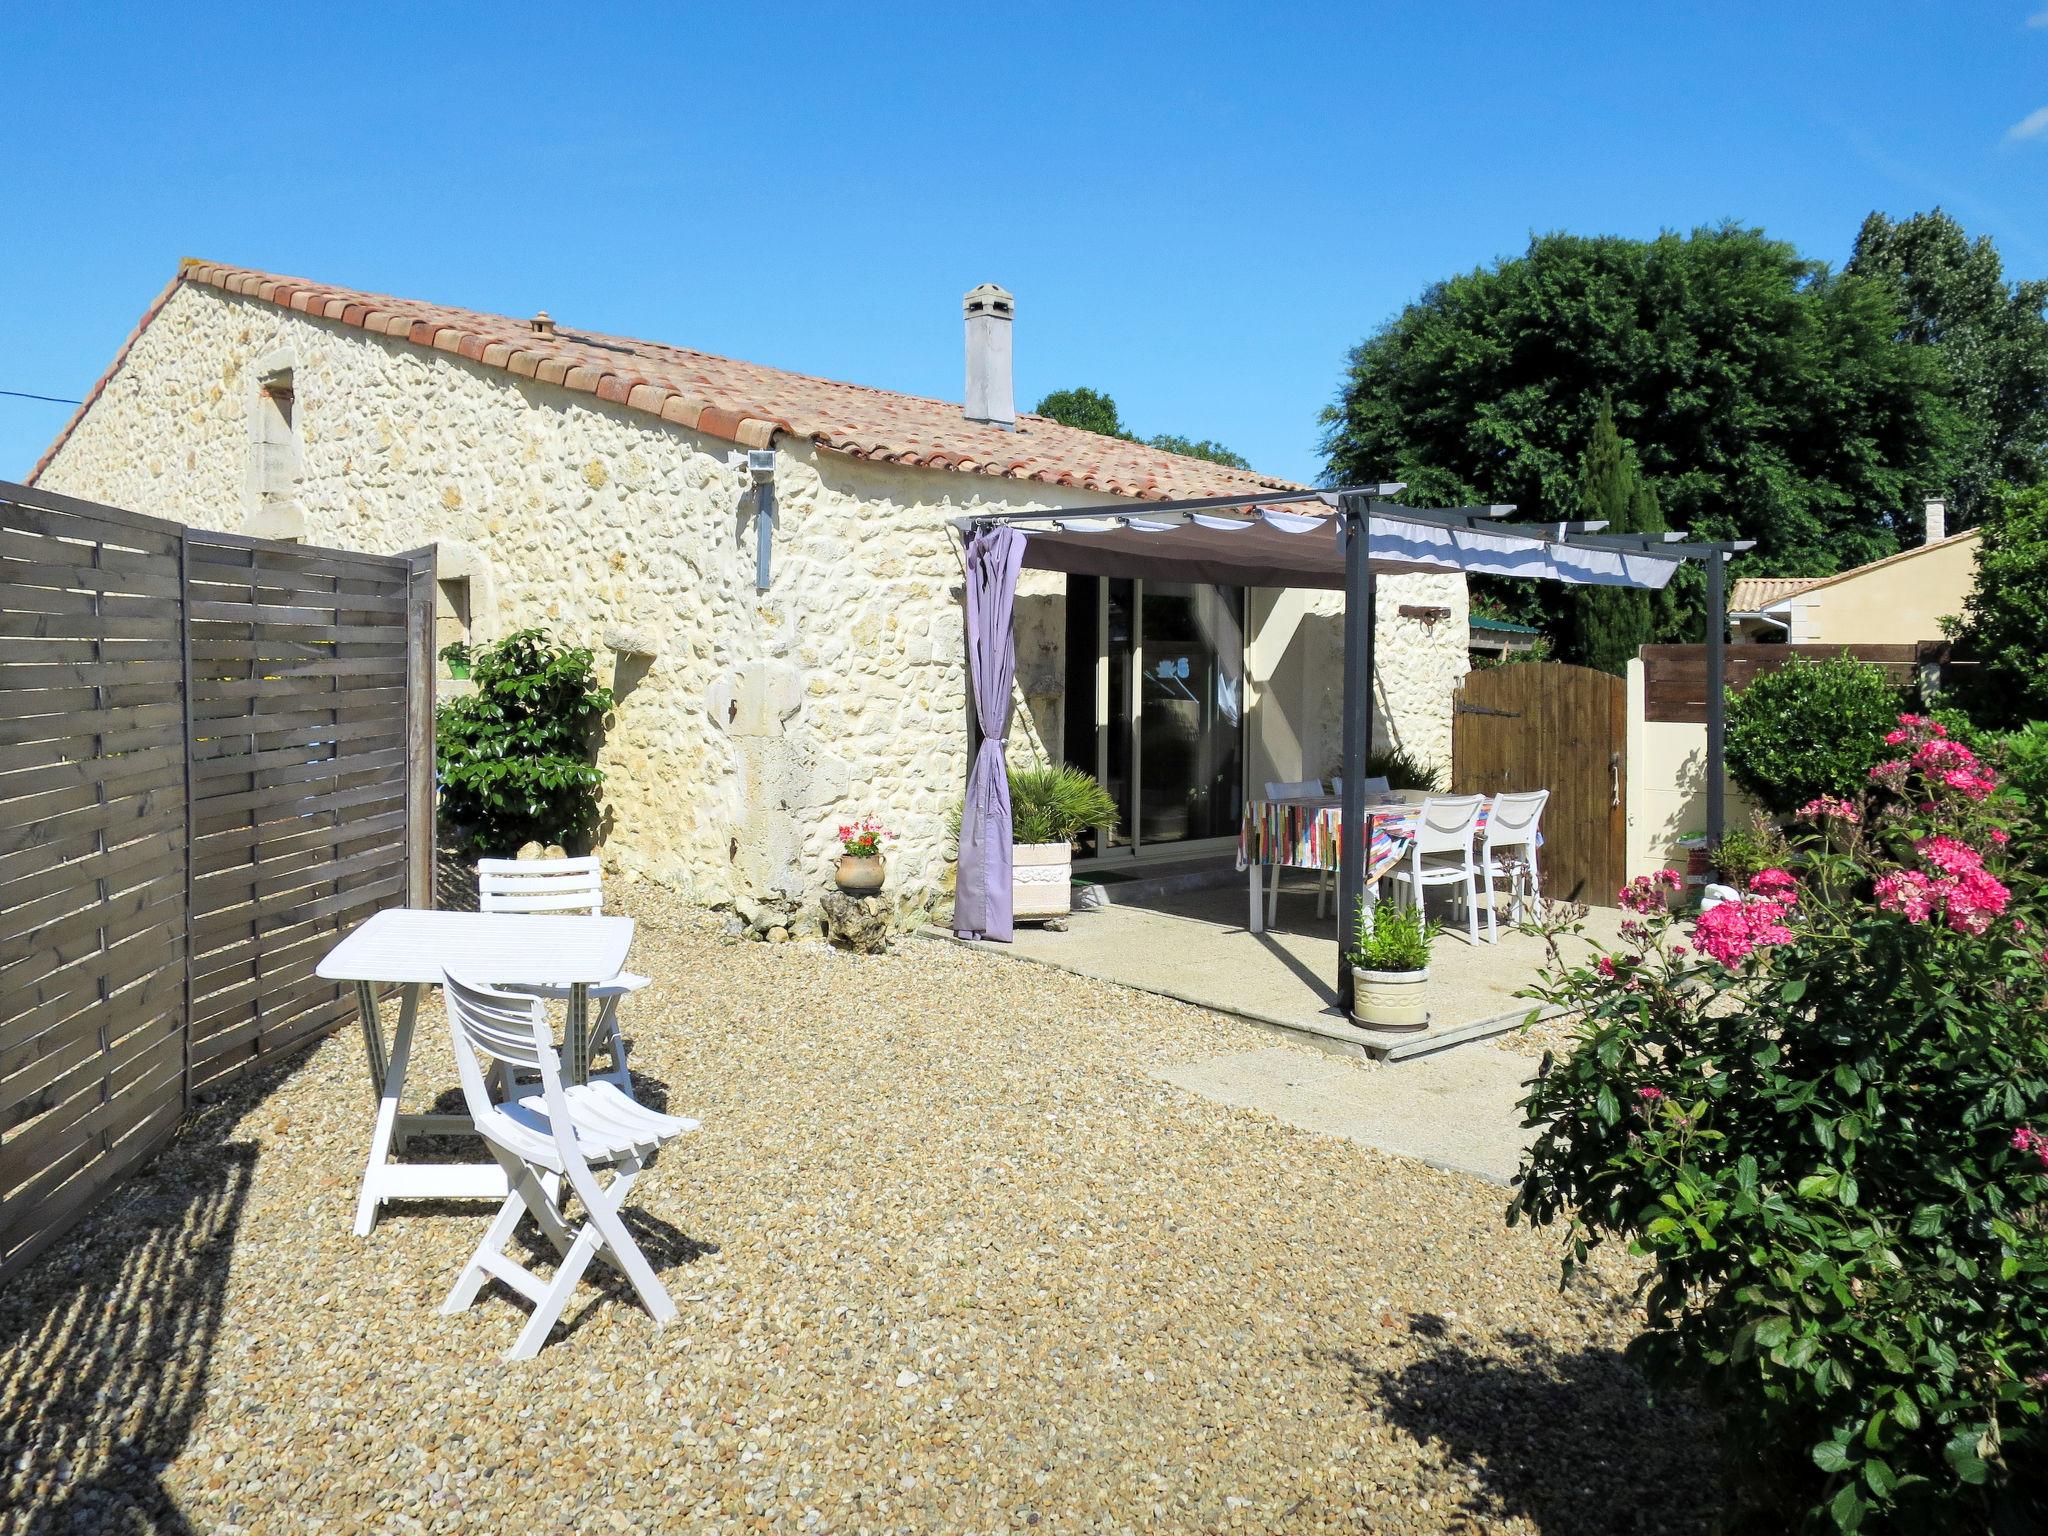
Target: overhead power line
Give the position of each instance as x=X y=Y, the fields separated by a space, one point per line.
x=22 y=394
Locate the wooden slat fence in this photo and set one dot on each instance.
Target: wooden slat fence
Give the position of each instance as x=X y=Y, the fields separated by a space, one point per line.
x=215 y=757
x=1675 y=676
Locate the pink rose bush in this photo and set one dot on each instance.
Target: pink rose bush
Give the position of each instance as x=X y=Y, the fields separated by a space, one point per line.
x=1813 y=1111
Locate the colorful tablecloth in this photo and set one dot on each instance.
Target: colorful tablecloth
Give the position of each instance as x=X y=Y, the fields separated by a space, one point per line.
x=1303 y=834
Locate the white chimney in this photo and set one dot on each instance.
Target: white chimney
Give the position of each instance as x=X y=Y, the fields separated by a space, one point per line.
x=990 y=311
x=1937 y=520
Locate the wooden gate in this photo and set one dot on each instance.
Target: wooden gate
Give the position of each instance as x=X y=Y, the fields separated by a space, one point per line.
x=1542 y=725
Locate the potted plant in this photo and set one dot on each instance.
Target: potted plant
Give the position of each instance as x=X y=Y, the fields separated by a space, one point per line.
x=862 y=868
x=1390 y=966
x=1049 y=807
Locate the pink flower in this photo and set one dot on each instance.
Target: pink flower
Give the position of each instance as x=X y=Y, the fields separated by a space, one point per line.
x=1944 y=853
x=1605 y=966
x=1633 y=931
x=1825 y=807
x=1734 y=930
x=1972 y=784
x=1999 y=837
x=1890 y=773
x=1654 y=1095
x=2026 y=1139
x=1906 y=891
x=1679 y=951
x=1775 y=885
x=1645 y=893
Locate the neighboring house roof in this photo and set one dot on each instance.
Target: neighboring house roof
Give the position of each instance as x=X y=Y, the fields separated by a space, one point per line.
x=1754 y=594
x=1500 y=626
x=740 y=402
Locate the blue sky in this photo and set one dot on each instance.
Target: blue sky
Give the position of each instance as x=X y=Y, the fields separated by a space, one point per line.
x=1200 y=209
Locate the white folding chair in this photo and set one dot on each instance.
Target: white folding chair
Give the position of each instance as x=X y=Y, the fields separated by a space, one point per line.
x=1293 y=789
x=540 y=1139
x=1507 y=851
x=1441 y=854
x=573 y=887
x=1376 y=785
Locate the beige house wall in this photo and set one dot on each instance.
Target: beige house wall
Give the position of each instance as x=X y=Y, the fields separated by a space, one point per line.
x=761 y=720
x=1667 y=786
x=1893 y=602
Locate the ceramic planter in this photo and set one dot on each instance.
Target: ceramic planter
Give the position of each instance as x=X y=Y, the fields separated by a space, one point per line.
x=1390 y=999
x=860 y=875
x=1042 y=880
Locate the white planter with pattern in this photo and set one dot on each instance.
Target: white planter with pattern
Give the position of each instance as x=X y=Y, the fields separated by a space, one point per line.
x=1042 y=880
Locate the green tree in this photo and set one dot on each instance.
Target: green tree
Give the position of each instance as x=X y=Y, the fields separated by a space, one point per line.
x=1990 y=336
x=1087 y=409
x=1604 y=626
x=1092 y=411
x=2006 y=614
x=1766 y=397
x=1207 y=448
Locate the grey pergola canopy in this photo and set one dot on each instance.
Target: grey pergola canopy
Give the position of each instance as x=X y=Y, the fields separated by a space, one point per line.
x=1337 y=540
x=1296 y=539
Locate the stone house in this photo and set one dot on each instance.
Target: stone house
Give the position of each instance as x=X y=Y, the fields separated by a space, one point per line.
x=763 y=562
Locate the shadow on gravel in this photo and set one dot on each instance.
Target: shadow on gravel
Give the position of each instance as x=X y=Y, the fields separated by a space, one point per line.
x=1573 y=1442
x=104 y=1341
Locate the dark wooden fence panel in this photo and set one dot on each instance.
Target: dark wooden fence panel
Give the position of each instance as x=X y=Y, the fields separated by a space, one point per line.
x=1675 y=676
x=215 y=757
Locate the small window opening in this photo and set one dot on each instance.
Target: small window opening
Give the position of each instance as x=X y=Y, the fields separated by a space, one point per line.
x=451 y=623
x=277 y=450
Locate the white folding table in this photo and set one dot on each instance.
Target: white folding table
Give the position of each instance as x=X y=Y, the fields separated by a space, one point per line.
x=411 y=949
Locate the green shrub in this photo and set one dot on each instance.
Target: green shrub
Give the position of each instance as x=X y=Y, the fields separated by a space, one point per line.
x=1823 y=1121
x=1052 y=805
x=1401 y=769
x=2006 y=613
x=515 y=753
x=2024 y=755
x=1744 y=852
x=1809 y=729
x=1391 y=938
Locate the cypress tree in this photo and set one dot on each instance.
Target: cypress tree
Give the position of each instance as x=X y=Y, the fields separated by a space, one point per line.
x=1604 y=626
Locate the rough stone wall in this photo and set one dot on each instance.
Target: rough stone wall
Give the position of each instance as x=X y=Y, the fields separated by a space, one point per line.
x=762 y=720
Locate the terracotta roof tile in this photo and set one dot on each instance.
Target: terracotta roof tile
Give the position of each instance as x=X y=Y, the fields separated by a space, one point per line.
x=746 y=402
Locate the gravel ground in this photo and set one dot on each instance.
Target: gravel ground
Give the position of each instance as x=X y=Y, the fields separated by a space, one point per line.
x=946 y=1259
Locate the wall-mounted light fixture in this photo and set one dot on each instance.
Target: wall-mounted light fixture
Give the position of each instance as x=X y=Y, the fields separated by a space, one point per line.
x=761 y=471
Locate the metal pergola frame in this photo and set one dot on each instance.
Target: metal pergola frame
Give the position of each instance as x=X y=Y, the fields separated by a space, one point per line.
x=1352 y=509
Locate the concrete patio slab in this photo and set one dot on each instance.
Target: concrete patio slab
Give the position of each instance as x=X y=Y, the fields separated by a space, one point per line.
x=1194 y=946
x=1454 y=1110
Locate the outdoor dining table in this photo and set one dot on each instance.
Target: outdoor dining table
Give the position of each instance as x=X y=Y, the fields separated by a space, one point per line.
x=411 y=949
x=1301 y=832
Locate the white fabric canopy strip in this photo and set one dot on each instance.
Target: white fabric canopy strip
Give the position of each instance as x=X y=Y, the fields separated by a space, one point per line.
x=1274 y=548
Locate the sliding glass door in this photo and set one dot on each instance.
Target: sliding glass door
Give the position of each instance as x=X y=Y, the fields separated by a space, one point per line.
x=1155 y=707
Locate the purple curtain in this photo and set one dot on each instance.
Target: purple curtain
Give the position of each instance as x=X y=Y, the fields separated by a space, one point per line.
x=982 y=907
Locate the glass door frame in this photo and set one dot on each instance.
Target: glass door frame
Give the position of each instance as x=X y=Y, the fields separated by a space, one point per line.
x=1135 y=850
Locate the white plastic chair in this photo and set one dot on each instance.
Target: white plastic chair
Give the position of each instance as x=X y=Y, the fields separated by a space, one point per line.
x=540 y=1139
x=1507 y=851
x=1294 y=789
x=1441 y=854
x=569 y=887
x=1376 y=785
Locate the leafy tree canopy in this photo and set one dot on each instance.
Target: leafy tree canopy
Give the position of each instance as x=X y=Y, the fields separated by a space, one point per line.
x=2005 y=616
x=1092 y=411
x=1765 y=397
x=1207 y=448
x=1990 y=336
x=1088 y=409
